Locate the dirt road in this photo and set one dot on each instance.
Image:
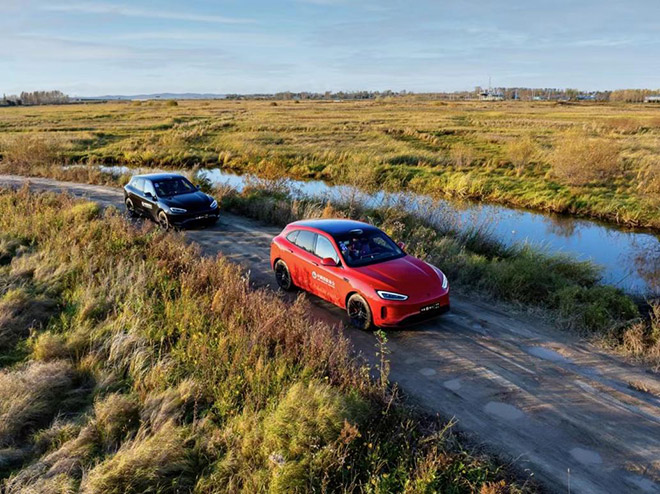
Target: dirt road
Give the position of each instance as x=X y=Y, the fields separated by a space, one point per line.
x=543 y=398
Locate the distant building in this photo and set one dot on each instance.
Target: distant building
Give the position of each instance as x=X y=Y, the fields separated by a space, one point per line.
x=652 y=99
x=491 y=95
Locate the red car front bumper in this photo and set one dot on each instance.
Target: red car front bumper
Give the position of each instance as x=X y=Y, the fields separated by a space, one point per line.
x=388 y=314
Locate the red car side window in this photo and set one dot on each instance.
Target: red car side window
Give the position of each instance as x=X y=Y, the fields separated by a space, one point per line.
x=324 y=249
x=306 y=240
x=291 y=237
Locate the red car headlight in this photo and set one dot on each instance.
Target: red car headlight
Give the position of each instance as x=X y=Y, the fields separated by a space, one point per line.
x=391 y=295
x=445 y=281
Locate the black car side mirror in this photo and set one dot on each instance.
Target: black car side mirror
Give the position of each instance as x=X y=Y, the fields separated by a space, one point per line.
x=148 y=195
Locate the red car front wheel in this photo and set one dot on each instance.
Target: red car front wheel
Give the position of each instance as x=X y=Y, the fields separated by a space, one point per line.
x=359 y=312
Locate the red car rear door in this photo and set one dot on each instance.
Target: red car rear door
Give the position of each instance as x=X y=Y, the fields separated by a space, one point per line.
x=305 y=260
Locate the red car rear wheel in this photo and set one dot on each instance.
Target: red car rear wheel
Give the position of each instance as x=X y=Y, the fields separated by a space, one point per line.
x=283 y=276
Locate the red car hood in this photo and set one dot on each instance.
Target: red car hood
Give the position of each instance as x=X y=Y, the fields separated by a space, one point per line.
x=407 y=275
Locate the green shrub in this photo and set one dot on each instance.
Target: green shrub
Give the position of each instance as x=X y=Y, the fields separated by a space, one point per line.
x=596 y=309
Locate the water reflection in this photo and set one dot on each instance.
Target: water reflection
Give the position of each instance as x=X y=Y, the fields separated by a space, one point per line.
x=647 y=262
x=630 y=259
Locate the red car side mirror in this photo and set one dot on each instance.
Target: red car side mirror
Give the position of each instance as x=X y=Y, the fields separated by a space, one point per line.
x=401 y=245
x=328 y=262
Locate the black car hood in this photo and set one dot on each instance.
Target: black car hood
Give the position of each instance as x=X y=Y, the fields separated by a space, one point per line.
x=192 y=201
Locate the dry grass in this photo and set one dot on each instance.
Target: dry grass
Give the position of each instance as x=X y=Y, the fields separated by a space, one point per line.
x=521 y=153
x=30 y=396
x=30 y=149
x=580 y=160
x=196 y=381
x=625 y=125
x=649 y=175
x=642 y=339
x=160 y=463
x=20 y=313
x=462 y=155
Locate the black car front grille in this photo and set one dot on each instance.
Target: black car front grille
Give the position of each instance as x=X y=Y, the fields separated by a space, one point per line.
x=195 y=216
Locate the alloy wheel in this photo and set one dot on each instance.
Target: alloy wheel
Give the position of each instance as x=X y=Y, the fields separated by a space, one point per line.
x=130 y=208
x=283 y=276
x=359 y=313
x=163 y=221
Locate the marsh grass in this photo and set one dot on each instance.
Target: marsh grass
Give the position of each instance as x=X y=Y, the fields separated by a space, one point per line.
x=456 y=149
x=579 y=159
x=642 y=339
x=163 y=371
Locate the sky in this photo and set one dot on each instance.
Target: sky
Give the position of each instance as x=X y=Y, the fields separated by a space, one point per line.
x=88 y=48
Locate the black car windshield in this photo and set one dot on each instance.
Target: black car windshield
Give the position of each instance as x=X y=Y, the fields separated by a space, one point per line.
x=363 y=247
x=175 y=186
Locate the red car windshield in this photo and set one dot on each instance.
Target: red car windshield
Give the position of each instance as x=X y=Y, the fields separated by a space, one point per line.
x=364 y=247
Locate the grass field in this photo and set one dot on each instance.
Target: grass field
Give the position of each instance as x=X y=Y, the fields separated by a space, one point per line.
x=129 y=364
x=598 y=160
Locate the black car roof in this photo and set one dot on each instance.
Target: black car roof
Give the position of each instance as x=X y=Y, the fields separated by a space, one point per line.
x=159 y=176
x=334 y=226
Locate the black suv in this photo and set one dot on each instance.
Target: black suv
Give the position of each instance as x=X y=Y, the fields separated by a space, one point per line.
x=170 y=199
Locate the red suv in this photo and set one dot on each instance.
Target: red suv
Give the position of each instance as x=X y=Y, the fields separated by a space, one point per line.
x=358 y=267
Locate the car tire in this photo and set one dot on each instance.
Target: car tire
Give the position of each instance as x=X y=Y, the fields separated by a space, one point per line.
x=130 y=208
x=283 y=276
x=359 y=312
x=163 y=221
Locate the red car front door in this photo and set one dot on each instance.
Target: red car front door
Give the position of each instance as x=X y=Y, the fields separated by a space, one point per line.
x=329 y=281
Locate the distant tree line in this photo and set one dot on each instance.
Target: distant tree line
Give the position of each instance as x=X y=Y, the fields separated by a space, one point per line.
x=632 y=95
x=328 y=95
x=35 y=98
x=513 y=93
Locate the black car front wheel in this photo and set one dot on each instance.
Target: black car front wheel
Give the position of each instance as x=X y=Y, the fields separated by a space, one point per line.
x=163 y=220
x=359 y=312
x=283 y=276
x=130 y=208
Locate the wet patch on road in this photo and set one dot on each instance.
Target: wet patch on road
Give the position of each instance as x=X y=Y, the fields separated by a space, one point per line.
x=547 y=354
x=503 y=410
x=586 y=456
x=427 y=371
x=452 y=384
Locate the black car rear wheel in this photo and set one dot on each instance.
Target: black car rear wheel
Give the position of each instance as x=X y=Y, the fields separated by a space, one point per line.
x=163 y=221
x=130 y=208
x=359 y=312
x=283 y=276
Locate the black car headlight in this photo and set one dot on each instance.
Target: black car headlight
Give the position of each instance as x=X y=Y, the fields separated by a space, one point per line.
x=178 y=210
x=391 y=295
x=214 y=204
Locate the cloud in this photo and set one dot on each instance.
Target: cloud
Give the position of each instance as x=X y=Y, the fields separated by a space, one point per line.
x=127 y=11
x=229 y=38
